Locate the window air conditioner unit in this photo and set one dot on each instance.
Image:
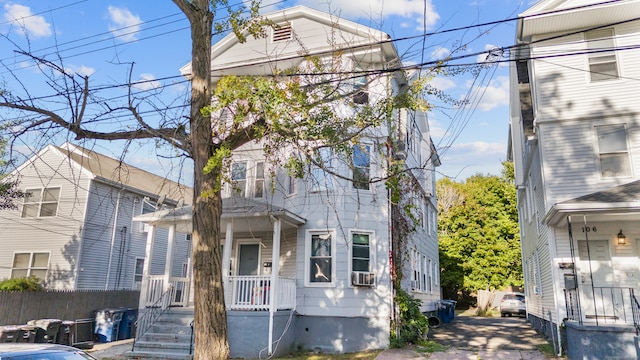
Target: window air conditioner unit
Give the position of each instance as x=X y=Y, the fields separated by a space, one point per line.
x=536 y=290
x=359 y=278
x=414 y=285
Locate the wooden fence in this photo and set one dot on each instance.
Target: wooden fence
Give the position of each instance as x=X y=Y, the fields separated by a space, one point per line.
x=19 y=307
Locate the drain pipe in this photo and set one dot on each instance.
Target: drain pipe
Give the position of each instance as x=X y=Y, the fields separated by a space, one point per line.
x=113 y=238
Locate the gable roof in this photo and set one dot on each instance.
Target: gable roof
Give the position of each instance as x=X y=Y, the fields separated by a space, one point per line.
x=259 y=55
x=117 y=173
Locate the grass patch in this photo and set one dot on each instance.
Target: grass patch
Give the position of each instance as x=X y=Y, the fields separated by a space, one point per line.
x=431 y=346
x=547 y=349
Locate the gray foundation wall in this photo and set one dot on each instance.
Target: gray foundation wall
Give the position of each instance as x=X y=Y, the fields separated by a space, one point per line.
x=249 y=333
x=601 y=342
x=341 y=334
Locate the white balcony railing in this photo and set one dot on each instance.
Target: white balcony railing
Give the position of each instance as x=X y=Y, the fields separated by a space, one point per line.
x=155 y=287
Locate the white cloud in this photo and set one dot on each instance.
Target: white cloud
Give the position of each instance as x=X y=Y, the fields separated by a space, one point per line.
x=493 y=95
x=410 y=9
x=124 y=25
x=147 y=82
x=81 y=70
x=442 y=83
x=440 y=53
x=463 y=160
x=33 y=26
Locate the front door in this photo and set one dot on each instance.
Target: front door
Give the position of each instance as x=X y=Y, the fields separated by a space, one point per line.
x=248 y=259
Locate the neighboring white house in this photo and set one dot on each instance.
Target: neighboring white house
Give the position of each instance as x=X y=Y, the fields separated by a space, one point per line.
x=74 y=230
x=313 y=254
x=575 y=141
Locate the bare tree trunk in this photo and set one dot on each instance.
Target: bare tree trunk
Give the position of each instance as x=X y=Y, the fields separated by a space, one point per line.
x=211 y=341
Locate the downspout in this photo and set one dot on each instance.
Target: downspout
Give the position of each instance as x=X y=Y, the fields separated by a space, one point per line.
x=113 y=238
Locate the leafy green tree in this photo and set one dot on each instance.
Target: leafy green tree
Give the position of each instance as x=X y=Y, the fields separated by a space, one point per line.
x=21 y=284
x=478 y=233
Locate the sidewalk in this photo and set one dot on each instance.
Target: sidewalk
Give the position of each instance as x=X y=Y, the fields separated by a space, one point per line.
x=111 y=350
x=456 y=354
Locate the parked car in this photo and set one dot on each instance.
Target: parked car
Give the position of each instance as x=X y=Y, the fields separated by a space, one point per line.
x=513 y=304
x=27 y=351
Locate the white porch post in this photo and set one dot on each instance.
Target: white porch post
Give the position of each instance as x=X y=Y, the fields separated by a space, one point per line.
x=275 y=269
x=144 y=286
x=226 y=260
x=168 y=265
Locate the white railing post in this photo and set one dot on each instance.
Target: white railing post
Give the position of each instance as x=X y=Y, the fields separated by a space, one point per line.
x=144 y=286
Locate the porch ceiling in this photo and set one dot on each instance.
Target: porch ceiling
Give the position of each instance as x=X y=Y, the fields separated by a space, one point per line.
x=246 y=215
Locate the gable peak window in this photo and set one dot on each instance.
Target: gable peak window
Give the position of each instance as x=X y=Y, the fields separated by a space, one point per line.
x=41 y=202
x=603 y=64
x=613 y=151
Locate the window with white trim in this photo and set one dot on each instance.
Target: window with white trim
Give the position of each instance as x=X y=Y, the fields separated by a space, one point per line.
x=26 y=264
x=320 y=179
x=138 y=272
x=361 y=166
x=238 y=179
x=40 y=202
x=429 y=276
x=603 y=64
x=258 y=184
x=361 y=252
x=320 y=260
x=291 y=185
x=613 y=151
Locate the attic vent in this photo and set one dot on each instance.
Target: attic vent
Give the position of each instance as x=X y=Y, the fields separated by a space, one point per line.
x=282 y=32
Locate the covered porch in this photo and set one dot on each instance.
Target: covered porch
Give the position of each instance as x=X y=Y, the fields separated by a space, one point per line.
x=251 y=252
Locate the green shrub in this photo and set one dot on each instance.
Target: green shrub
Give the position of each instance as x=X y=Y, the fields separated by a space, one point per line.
x=31 y=283
x=413 y=326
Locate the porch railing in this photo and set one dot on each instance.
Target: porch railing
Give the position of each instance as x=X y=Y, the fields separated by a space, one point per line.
x=179 y=295
x=253 y=293
x=635 y=309
x=152 y=314
x=602 y=306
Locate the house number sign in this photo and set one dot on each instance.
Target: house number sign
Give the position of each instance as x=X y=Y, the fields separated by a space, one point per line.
x=589 y=229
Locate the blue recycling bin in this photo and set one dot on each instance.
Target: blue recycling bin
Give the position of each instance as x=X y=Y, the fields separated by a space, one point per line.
x=107 y=324
x=446 y=310
x=129 y=318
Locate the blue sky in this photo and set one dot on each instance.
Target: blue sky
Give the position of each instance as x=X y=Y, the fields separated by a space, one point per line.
x=101 y=38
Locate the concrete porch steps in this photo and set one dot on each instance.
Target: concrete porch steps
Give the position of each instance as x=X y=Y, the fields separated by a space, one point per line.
x=168 y=338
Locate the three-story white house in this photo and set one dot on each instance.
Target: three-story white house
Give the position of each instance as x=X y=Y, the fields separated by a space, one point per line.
x=308 y=260
x=575 y=142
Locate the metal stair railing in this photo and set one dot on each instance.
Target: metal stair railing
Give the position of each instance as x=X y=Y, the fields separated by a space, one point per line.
x=635 y=309
x=152 y=315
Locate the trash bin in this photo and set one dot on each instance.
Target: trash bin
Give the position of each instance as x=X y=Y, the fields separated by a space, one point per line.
x=31 y=334
x=66 y=334
x=126 y=325
x=108 y=324
x=452 y=308
x=9 y=333
x=51 y=328
x=432 y=319
x=444 y=311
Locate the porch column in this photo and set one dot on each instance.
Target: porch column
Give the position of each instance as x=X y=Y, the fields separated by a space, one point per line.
x=144 y=286
x=168 y=265
x=226 y=261
x=275 y=269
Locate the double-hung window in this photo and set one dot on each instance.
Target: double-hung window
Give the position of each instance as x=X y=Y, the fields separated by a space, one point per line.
x=602 y=56
x=613 y=151
x=361 y=252
x=361 y=166
x=27 y=264
x=321 y=179
x=258 y=188
x=41 y=202
x=320 y=267
x=238 y=178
